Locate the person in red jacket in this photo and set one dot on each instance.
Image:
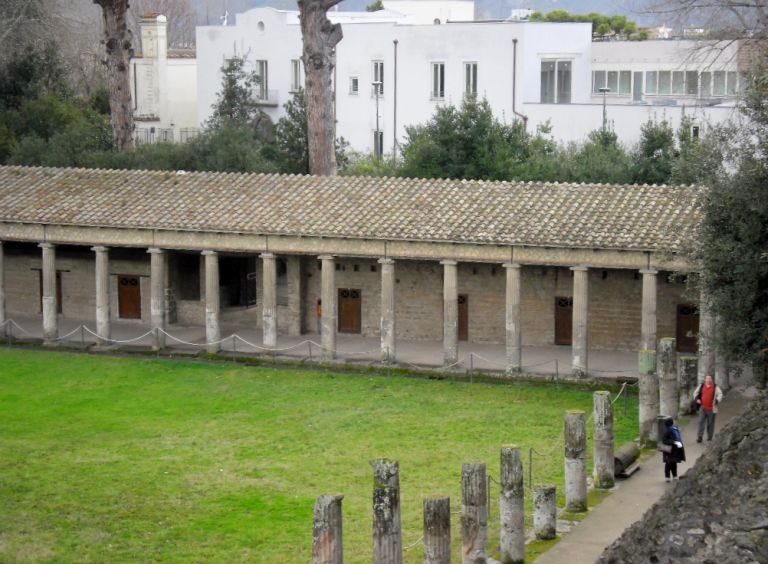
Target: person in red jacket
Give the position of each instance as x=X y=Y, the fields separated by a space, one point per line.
x=707 y=396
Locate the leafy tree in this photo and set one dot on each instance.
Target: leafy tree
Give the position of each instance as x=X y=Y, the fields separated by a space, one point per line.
x=236 y=103
x=601 y=159
x=375 y=6
x=29 y=73
x=655 y=153
x=466 y=142
x=291 y=152
x=603 y=28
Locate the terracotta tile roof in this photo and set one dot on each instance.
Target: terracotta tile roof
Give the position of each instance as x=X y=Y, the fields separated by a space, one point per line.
x=597 y=216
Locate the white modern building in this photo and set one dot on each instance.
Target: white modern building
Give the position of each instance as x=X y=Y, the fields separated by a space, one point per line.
x=394 y=68
x=164 y=86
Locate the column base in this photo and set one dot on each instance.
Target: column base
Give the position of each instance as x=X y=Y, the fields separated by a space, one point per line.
x=579 y=373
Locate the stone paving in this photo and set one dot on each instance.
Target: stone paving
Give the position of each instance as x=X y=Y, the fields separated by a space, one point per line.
x=548 y=361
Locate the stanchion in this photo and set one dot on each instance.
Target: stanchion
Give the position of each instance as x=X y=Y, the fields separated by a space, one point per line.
x=234 y=348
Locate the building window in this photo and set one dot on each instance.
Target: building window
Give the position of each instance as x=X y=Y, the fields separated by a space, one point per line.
x=625 y=82
x=651 y=82
x=598 y=81
x=438 y=81
x=731 y=83
x=378 y=78
x=263 y=87
x=705 y=90
x=354 y=85
x=718 y=86
x=556 y=82
x=378 y=144
x=295 y=75
x=665 y=83
x=678 y=83
x=692 y=83
x=470 y=78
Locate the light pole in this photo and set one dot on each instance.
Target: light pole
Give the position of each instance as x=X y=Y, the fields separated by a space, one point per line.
x=604 y=90
x=376 y=90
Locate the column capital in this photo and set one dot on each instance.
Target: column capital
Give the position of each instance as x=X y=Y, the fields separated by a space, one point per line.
x=386 y=261
x=648 y=271
x=100 y=249
x=155 y=251
x=580 y=268
x=209 y=253
x=267 y=255
x=46 y=245
x=326 y=257
x=512 y=265
x=449 y=262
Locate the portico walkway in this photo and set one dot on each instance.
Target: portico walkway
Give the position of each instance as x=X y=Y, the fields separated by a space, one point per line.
x=552 y=361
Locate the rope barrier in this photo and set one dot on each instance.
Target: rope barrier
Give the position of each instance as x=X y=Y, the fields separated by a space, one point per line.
x=410 y=546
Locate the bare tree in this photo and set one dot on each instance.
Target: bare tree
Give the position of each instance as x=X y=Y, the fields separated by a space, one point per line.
x=745 y=20
x=181 y=19
x=117 y=40
x=320 y=38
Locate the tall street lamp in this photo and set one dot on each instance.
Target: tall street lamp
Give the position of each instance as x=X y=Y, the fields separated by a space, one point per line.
x=376 y=91
x=604 y=90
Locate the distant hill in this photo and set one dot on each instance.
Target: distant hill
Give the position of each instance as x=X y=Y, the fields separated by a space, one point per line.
x=209 y=12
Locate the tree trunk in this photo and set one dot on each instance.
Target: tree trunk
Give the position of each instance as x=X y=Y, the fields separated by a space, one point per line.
x=117 y=39
x=320 y=38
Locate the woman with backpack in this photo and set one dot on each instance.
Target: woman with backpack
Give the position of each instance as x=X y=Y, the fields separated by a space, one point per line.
x=672 y=449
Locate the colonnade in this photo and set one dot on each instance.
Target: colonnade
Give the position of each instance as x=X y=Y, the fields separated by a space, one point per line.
x=329 y=314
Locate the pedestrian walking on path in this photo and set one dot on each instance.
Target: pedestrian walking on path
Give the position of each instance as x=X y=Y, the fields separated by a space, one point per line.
x=672 y=449
x=707 y=396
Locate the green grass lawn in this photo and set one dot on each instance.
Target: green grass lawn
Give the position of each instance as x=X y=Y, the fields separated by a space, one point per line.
x=115 y=459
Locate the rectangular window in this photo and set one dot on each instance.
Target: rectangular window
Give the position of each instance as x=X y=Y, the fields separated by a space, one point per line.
x=706 y=84
x=378 y=78
x=665 y=83
x=354 y=85
x=625 y=82
x=678 y=82
x=732 y=78
x=547 y=82
x=470 y=78
x=378 y=144
x=262 y=88
x=295 y=75
x=598 y=81
x=188 y=271
x=718 y=86
x=563 y=82
x=651 y=82
x=438 y=81
x=613 y=81
x=692 y=83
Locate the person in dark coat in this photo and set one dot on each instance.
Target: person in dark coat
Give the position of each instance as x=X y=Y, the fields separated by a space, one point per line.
x=674 y=444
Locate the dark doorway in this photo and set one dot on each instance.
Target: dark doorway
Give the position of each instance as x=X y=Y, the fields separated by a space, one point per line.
x=58 y=291
x=129 y=297
x=563 y=321
x=350 y=310
x=687 y=329
x=238 y=281
x=463 y=317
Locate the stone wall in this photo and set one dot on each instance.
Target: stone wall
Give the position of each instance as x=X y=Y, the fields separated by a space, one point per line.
x=614 y=304
x=718 y=511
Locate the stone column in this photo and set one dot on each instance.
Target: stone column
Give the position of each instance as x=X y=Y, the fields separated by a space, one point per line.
x=212 y=302
x=669 y=396
x=327 y=538
x=512 y=506
x=157 y=295
x=706 y=330
x=387 y=310
x=648 y=409
x=295 y=274
x=687 y=368
x=450 y=313
x=575 y=461
x=328 y=320
x=3 y=317
x=387 y=533
x=545 y=512
x=513 y=325
x=437 y=530
x=474 y=513
x=580 y=320
x=602 y=418
x=103 y=317
x=50 y=307
x=647 y=353
x=269 y=301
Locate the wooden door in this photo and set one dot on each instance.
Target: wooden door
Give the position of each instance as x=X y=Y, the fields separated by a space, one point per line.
x=687 y=328
x=350 y=310
x=463 y=317
x=563 y=321
x=129 y=297
x=58 y=291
